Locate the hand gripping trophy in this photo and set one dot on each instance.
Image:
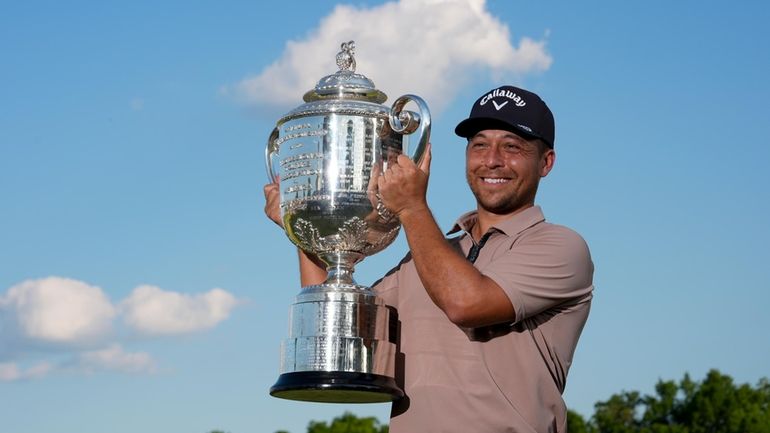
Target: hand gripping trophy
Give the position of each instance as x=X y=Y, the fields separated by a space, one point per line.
x=327 y=154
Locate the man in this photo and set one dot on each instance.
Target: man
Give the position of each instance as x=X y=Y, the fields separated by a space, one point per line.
x=490 y=318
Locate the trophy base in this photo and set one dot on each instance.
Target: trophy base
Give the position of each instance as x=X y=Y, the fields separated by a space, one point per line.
x=336 y=387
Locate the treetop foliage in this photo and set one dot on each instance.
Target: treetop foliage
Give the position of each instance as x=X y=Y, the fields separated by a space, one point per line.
x=348 y=423
x=715 y=405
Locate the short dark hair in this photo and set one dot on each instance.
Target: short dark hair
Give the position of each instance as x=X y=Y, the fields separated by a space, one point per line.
x=542 y=146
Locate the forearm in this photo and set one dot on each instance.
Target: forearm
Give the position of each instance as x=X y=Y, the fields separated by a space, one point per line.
x=311 y=270
x=467 y=297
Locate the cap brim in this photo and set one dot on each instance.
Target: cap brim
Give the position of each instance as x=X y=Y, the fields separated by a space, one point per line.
x=471 y=126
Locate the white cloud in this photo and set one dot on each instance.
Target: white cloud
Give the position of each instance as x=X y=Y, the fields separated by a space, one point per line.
x=153 y=311
x=65 y=319
x=425 y=47
x=111 y=358
x=59 y=310
x=10 y=371
x=114 y=358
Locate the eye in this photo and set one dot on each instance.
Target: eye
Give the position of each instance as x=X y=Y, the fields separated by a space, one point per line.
x=512 y=147
x=478 y=144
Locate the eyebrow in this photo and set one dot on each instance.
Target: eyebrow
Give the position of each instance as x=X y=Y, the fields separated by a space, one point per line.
x=508 y=134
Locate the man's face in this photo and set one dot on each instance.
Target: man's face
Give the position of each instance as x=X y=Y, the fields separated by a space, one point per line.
x=504 y=170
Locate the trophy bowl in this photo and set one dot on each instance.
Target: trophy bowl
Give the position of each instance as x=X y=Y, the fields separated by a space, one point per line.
x=327 y=154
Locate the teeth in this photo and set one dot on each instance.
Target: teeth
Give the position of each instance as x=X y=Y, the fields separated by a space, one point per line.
x=494 y=180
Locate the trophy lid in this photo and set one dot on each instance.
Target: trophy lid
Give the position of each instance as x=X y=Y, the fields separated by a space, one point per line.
x=345 y=83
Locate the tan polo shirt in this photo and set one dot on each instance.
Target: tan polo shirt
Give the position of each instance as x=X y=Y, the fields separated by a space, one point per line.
x=502 y=378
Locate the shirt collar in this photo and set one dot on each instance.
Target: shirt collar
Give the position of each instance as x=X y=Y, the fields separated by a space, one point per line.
x=512 y=226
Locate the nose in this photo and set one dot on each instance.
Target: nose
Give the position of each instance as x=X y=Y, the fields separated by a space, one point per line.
x=493 y=158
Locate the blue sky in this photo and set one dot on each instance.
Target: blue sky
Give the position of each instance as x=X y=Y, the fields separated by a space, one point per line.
x=141 y=288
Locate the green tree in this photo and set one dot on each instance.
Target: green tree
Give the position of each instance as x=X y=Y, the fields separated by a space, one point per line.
x=348 y=423
x=720 y=406
x=577 y=424
x=715 y=405
x=618 y=414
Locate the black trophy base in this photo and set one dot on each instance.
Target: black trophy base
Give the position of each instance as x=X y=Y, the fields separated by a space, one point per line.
x=336 y=387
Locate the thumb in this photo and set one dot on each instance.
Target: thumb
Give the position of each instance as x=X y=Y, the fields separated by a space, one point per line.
x=425 y=161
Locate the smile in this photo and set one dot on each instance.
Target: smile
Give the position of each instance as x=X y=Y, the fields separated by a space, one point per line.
x=494 y=180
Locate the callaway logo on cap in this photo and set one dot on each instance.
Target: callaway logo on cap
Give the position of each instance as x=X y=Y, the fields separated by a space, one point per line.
x=512 y=109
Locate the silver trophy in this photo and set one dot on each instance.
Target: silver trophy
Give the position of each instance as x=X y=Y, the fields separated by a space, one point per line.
x=327 y=154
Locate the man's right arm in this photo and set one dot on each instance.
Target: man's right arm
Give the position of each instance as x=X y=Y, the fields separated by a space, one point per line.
x=311 y=270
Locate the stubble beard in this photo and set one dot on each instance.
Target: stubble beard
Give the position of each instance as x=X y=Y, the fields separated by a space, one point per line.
x=500 y=204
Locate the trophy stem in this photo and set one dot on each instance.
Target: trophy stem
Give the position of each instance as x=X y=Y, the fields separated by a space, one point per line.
x=339 y=265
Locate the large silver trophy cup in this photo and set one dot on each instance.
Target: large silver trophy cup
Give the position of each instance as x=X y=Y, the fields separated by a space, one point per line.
x=327 y=154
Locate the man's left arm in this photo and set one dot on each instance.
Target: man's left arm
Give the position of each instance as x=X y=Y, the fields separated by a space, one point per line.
x=467 y=297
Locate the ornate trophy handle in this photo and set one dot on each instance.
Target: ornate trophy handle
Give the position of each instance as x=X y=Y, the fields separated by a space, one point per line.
x=270 y=150
x=408 y=122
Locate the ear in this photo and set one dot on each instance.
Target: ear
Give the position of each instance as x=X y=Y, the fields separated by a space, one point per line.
x=547 y=161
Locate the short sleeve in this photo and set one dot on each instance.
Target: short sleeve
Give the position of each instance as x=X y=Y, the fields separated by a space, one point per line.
x=545 y=266
x=387 y=286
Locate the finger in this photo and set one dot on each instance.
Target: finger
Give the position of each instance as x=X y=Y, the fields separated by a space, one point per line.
x=269 y=189
x=425 y=161
x=272 y=209
x=272 y=195
x=381 y=181
x=405 y=161
x=376 y=170
x=270 y=198
x=393 y=170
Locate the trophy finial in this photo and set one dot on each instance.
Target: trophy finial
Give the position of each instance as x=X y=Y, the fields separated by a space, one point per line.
x=345 y=59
